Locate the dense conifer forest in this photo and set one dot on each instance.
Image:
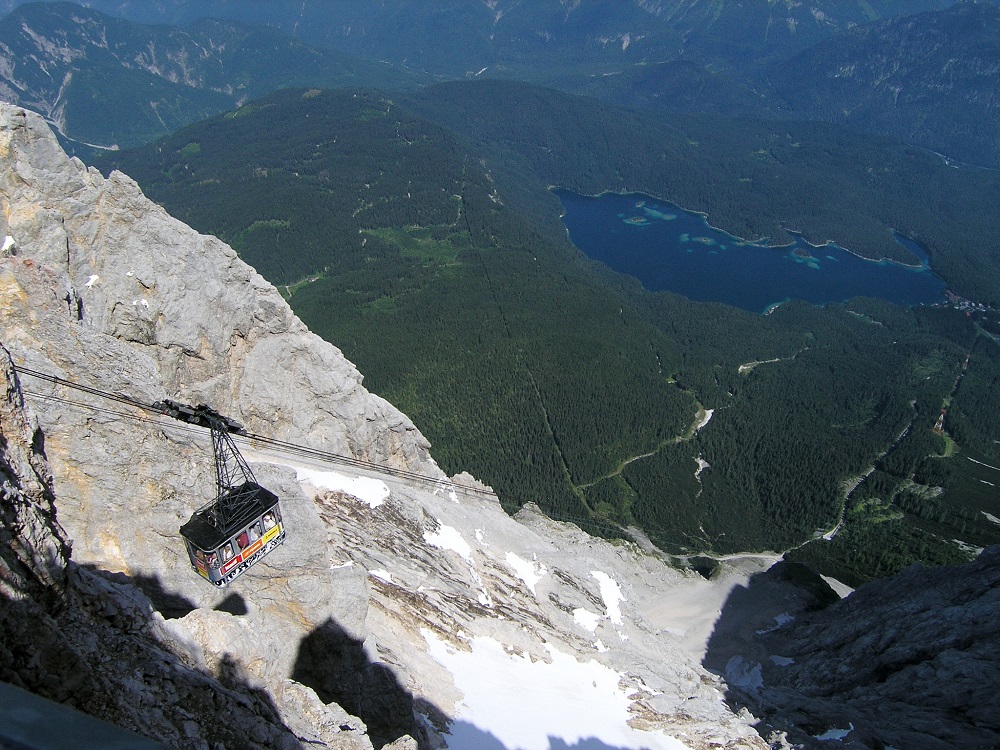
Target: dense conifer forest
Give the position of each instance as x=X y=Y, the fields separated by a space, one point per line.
x=418 y=235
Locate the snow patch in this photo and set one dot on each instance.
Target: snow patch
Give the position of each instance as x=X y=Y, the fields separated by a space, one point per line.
x=529 y=572
x=92 y=280
x=783 y=619
x=743 y=674
x=143 y=302
x=382 y=575
x=448 y=537
x=992 y=518
x=372 y=492
x=611 y=594
x=534 y=704
x=8 y=243
x=835 y=734
x=586 y=619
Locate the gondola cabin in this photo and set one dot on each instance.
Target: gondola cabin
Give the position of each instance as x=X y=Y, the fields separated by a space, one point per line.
x=221 y=548
x=227 y=536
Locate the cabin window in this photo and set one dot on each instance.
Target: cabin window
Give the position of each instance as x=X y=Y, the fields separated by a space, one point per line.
x=254 y=531
x=226 y=552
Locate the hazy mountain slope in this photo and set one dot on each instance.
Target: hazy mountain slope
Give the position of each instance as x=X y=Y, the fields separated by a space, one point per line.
x=741 y=35
x=106 y=81
x=479 y=34
x=528 y=39
x=931 y=79
x=398 y=600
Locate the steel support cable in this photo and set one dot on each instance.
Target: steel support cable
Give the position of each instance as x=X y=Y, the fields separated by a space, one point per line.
x=278 y=445
x=300 y=450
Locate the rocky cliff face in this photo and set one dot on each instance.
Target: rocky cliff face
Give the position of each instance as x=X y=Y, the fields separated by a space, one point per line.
x=80 y=636
x=391 y=605
x=906 y=662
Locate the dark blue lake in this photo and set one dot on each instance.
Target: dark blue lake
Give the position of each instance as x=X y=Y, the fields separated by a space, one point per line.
x=670 y=249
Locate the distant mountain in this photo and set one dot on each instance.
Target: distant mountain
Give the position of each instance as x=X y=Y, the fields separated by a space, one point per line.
x=740 y=35
x=109 y=82
x=449 y=37
x=931 y=79
x=676 y=85
x=676 y=55
x=458 y=37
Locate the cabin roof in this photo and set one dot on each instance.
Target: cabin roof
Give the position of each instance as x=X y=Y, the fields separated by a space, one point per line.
x=250 y=501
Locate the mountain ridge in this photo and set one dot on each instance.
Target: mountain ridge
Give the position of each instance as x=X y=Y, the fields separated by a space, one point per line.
x=929 y=79
x=112 y=83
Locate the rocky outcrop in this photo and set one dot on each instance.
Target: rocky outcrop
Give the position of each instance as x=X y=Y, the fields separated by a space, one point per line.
x=908 y=662
x=91 y=640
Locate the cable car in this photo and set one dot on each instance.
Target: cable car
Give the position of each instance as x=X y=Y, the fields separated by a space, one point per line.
x=220 y=552
x=235 y=531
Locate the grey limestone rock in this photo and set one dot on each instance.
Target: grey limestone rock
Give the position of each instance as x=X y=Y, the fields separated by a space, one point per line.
x=909 y=661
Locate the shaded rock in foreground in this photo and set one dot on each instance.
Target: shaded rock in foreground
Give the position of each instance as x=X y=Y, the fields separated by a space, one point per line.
x=911 y=661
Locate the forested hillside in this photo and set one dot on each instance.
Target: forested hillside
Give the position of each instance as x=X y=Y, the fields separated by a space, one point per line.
x=442 y=271
x=753 y=178
x=929 y=79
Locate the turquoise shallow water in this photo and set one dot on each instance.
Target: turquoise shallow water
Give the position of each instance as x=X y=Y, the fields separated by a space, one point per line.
x=669 y=249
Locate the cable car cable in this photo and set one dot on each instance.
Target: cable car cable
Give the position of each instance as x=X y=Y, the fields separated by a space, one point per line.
x=284 y=446
x=300 y=450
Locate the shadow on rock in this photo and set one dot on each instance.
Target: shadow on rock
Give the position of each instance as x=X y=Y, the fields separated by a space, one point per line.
x=590 y=743
x=234 y=604
x=99 y=652
x=769 y=601
x=170 y=604
x=336 y=666
x=910 y=661
x=462 y=734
